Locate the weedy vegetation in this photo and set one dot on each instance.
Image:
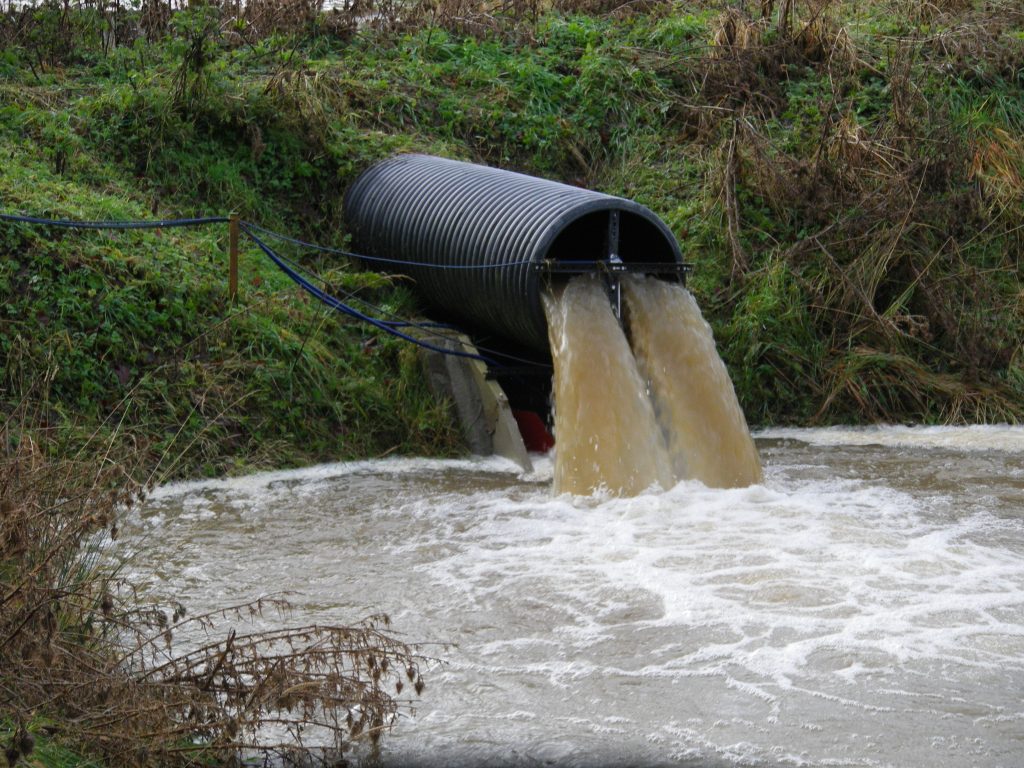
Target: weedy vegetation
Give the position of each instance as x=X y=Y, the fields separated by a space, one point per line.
x=846 y=177
x=87 y=662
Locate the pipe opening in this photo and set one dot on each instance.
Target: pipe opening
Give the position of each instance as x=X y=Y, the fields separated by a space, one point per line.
x=589 y=238
x=641 y=240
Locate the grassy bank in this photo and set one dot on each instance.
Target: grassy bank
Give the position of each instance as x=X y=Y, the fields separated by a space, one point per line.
x=133 y=332
x=847 y=180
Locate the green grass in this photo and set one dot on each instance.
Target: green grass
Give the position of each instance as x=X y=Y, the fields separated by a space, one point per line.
x=46 y=751
x=135 y=329
x=874 y=185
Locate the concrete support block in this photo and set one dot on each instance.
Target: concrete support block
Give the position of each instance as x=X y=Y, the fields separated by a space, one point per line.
x=481 y=404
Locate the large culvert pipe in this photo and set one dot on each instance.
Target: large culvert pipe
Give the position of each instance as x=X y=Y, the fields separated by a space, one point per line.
x=434 y=211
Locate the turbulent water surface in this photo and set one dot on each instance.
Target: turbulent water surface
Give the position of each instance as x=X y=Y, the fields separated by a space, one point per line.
x=864 y=606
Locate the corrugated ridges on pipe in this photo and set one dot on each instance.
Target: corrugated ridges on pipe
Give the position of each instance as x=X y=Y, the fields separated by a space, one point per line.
x=436 y=211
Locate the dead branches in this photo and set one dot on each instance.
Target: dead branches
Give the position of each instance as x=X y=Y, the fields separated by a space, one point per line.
x=141 y=685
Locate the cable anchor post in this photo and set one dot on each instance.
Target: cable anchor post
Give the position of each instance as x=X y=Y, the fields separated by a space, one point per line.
x=233 y=231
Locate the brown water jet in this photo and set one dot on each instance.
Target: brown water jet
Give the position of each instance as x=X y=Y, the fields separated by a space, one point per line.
x=706 y=433
x=607 y=436
x=665 y=410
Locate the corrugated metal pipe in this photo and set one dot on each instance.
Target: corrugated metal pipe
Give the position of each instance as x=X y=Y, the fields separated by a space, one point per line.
x=498 y=236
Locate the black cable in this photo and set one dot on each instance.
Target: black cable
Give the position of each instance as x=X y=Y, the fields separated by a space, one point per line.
x=340 y=306
x=159 y=224
x=379 y=259
x=430 y=328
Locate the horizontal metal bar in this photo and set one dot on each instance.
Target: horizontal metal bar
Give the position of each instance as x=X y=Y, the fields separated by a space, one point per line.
x=505 y=371
x=573 y=267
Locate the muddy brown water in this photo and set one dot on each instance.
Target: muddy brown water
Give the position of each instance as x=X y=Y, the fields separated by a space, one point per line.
x=862 y=606
x=649 y=404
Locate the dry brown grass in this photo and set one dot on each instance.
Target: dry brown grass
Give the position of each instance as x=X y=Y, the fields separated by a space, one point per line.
x=133 y=683
x=997 y=165
x=909 y=315
x=749 y=63
x=734 y=32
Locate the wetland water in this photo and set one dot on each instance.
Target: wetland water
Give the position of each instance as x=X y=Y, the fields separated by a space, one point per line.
x=864 y=606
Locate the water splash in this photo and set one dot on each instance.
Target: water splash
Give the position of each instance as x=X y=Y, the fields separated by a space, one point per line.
x=863 y=607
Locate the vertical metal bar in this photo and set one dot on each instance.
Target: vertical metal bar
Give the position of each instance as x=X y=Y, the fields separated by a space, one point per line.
x=612 y=243
x=233 y=257
x=612 y=255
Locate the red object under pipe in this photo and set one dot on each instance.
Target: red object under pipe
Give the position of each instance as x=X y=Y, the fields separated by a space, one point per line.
x=536 y=437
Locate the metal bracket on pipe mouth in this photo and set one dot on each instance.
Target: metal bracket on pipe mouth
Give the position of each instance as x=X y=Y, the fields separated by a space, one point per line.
x=612 y=267
x=611 y=270
x=576 y=267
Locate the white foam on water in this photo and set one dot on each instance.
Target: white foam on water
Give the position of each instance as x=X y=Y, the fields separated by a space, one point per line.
x=261 y=481
x=805 y=621
x=1002 y=437
x=833 y=571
